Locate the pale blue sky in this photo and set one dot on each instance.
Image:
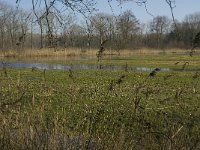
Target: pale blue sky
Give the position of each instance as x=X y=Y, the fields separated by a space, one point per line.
x=155 y=7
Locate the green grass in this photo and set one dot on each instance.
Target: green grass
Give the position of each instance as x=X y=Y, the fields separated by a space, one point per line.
x=98 y=109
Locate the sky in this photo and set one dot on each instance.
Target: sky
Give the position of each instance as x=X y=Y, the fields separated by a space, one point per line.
x=155 y=7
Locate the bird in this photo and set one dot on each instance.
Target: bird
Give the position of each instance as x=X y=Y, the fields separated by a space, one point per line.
x=157 y=69
x=153 y=73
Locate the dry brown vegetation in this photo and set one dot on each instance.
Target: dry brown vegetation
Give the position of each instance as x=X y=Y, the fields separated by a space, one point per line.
x=70 y=52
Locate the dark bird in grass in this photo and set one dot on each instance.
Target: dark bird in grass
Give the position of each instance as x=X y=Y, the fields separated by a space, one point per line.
x=153 y=73
x=157 y=69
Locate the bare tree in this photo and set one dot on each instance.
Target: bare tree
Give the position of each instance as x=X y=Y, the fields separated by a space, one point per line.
x=100 y=24
x=127 y=27
x=24 y=25
x=3 y=20
x=160 y=25
x=68 y=21
x=127 y=24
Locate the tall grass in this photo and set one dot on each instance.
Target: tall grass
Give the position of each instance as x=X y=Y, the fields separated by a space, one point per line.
x=83 y=112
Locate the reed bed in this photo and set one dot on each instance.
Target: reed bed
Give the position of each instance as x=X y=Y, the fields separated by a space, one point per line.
x=71 y=52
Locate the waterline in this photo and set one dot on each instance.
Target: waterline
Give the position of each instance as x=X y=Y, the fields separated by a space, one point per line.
x=84 y=66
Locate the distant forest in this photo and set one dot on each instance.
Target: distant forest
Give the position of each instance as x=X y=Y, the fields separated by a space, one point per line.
x=20 y=29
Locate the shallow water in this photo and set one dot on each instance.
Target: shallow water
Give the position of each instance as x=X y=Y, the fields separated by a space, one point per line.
x=83 y=66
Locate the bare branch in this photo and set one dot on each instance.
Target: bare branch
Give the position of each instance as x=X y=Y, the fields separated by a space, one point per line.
x=172 y=5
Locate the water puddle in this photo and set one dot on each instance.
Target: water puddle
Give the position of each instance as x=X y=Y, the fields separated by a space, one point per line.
x=84 y=66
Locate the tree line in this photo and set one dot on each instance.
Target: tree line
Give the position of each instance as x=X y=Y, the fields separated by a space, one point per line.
x=21 y=29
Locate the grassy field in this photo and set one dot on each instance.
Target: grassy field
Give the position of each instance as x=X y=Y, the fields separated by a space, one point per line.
x=99 y=109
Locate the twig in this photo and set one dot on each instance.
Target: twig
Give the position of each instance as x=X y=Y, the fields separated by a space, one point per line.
x=177 y=132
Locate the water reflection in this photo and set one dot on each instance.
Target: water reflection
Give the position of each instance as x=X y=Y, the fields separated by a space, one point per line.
x=83 y=66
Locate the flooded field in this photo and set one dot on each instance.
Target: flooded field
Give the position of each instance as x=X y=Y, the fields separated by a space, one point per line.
x=84 y=66
x=136 y=62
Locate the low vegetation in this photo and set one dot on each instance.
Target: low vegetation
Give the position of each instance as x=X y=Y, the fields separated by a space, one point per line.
x=99 y=109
